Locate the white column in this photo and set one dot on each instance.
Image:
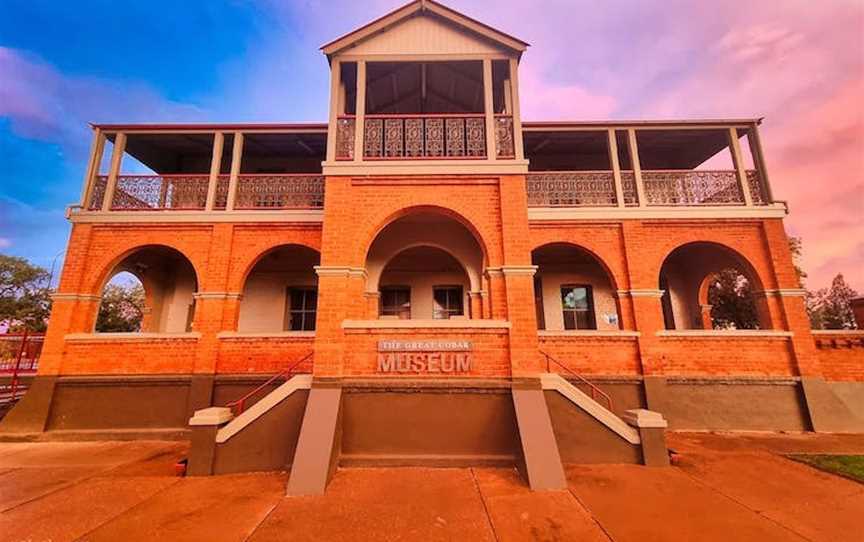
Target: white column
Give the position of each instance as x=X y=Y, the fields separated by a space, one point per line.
x=738 y=162
x=491 y=153
x=96 y=150
x=116 y=161
x=215 y=169
x=335 y=92
x=360 y=116
x=236 y=158
x=517 y=118
x=759 y=160
x=616 y=167
x=637 y=166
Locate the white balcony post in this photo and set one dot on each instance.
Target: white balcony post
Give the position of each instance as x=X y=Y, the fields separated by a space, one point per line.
x=515 y=110
x=337 y=91
x=616 y=167
x=738 y=162
x=215 y=169
x=236 y=158
x=97 y=148
x=360 y=112
x=114 y=172
x=637 y=166
x=759 y=160
x=491 y=152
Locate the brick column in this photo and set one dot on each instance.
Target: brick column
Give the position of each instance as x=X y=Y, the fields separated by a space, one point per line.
x=518 y=276
x=210 y=300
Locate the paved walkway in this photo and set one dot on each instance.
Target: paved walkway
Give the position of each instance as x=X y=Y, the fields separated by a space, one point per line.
x=725 y=487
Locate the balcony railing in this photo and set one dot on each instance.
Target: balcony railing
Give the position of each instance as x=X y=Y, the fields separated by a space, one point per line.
x=670 y=188
x=189 y=192
x=424 y=137
x=280 y=192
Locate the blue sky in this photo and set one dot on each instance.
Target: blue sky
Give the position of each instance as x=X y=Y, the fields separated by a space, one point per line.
x=64 y=64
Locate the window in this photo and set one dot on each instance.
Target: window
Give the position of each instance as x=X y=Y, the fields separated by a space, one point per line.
x=302 y=309
x=396 y=301
x=448 y=302
x=578 y=304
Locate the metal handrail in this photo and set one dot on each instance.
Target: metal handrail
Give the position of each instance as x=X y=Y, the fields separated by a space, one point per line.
x=595 y=391
x=241 y=402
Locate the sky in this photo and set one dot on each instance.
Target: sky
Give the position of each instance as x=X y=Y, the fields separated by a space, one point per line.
x=799 y=64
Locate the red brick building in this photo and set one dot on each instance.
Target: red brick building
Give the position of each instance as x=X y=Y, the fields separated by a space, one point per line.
x=427 y=255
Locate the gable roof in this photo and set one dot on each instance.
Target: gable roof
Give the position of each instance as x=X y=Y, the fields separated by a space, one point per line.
x=424 y=7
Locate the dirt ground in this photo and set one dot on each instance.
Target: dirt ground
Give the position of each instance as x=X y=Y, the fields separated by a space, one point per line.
x=724 y=487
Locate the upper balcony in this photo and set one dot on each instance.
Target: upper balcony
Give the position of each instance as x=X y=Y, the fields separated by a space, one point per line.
x=661 y=168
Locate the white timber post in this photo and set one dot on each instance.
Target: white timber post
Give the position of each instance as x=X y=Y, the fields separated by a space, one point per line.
x=360 y=111
x=738 y=162
x=96 y=150
x=616 y=166
x=236 y=158
x=637 y=166
x=491 y=152
x=759 y=160
x=336 y=94
x=215 y=169
x=114 y=172
x=515 y=110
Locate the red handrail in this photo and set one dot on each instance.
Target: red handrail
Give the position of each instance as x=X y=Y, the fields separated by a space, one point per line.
x=595 y=391
x=240 y=403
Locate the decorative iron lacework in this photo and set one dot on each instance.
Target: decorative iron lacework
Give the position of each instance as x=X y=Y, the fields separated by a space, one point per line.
x=424 y=137
x=504 y=144
x=148 y=192
x=571 y=189
x=754 y=183
x=280 y=192
x=98 y=193
x=345 y=127
x=628 y=185
x=692 y=187
x=222 y=184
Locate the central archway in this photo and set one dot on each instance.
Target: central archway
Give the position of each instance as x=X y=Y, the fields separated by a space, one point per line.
x=425 y=265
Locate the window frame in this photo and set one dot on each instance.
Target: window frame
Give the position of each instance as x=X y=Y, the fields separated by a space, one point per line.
x=590 y=312
x=304 y=312
x=449 y=312
x=397 y=310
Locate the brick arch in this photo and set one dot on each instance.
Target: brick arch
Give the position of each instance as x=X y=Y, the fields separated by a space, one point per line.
x=106 y=270
x=371 y=234
x=237 y=280
x=745 y=265
x=473 y=275
x=613 y=280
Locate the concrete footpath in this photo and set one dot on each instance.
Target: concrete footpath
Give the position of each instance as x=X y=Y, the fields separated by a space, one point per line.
x=725 y=487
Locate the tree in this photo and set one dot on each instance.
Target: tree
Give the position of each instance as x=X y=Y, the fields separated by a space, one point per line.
x=731 y=300
x=796 y=247
x=831 y=308
x=122 y=308
x=25 y=295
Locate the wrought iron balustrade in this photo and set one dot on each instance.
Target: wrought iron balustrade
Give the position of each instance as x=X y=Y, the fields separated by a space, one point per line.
x=279 y=191
x=505 y=145
x=159 y=192
x=667 y=188
x=345 y=130
x=695 y=188
x=571 y=189
x=412 y=137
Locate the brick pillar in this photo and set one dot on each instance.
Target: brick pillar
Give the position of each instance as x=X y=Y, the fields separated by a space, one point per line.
x=211 y=298
x=518 y=276
x=475 y=301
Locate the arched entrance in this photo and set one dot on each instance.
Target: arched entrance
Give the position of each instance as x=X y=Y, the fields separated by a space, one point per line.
x=168 y=281
x=573 y=290
x=425 y=265
x=710 y=286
